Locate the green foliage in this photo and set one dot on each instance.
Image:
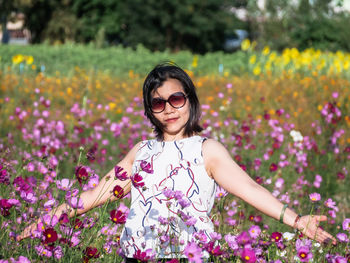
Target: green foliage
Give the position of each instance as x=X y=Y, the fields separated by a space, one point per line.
x=117 y=60
x=195 y=25
x=305 y=24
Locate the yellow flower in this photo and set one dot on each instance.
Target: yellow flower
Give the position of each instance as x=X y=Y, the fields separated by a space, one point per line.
x=195 y=61
x=112 y=105
x=29 y=60
x=252 y=59
x=245 y=45
x=17 y=59
x=266 y=51
x=257 y=70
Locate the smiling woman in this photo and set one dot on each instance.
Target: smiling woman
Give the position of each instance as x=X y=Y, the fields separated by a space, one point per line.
x=173 y=180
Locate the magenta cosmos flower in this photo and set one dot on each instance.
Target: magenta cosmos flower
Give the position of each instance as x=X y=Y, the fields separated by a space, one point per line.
x=248 y=255
x=137 y=180
x=118 y=216
x=118 y=191
x=50 y=235
x=304 y=254
x=120 y=173
x=81 y=174
x=276 y=236
x=254 y=231
x=90 y=252
x=314 y=197
x=193 y=252
x=346 y=224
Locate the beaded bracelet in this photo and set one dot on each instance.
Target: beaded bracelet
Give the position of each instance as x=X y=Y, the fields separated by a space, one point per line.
x=282 y=213
x=296 y=221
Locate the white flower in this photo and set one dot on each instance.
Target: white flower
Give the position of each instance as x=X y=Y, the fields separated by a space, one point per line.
x=296 y=135
x=288 y=236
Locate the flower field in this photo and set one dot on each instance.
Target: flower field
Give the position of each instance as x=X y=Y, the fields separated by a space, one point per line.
x=285 y=119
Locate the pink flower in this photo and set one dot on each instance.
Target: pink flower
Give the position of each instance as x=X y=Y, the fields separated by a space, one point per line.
x=276 y=236
x=330 y=203
x=64 y=184
x=314 y=197
x=231 y=241
x=93 y=182
x=220 y=192
x=118 y=216
x=137 y=180
x=342 y=237
x=346 y=224
x=304 y=254
x=144 y=256
x=248 y=255
x=120 y=173
x=193 y=252
x=76 y=202
x=146 y=167
x=254 y=231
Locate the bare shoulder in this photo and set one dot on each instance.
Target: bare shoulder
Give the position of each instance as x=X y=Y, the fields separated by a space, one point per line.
x=214 y=155
x=130 y=156
x=213 y=149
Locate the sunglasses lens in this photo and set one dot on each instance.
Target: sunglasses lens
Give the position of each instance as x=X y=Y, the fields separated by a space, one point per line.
x=158 y=105
x=177 y=100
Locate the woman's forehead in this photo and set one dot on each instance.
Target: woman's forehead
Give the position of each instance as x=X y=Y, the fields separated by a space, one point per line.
x=170 y=86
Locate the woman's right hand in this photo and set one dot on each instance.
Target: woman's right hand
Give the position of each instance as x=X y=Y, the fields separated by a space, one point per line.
x=27 y=232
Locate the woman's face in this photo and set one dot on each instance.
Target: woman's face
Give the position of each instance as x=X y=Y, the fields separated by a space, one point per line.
x=173 y=119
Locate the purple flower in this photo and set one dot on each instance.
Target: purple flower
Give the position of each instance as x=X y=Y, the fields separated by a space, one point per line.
x=29 y=197
x=163 y=220
x=215 y=236
x=248 y=255
x=93 y=182
x=168 y=193
x=76 y=202
x=64 y=184
x=231 y=241
x=276 y=237
x=330 y=203
x=243 y=238
x=193 y=252
x=144 y=256
x=184 y=203
x=346 y=224
x=220 y=193
x=342 y=237
x=146 y=167
x=82 y=174
x=314 y=197
x=254 y=231
x=120 y=173
x=304 y=254
x=137 y=180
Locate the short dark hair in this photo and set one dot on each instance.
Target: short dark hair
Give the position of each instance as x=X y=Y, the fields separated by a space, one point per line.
x=154 y=80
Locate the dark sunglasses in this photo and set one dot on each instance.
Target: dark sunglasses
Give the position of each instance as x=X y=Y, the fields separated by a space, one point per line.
x=176 y=100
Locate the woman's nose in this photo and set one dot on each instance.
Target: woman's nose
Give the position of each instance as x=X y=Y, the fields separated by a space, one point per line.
x=168 y=108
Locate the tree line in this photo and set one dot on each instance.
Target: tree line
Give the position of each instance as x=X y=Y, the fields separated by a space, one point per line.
x=196 y=25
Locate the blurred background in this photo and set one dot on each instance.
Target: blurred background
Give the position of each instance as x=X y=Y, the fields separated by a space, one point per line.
x=195 y=25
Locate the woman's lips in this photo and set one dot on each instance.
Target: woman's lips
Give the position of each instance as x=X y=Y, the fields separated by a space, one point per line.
x=171 y=120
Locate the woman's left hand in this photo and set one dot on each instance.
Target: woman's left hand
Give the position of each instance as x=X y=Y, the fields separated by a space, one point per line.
x=309 y=226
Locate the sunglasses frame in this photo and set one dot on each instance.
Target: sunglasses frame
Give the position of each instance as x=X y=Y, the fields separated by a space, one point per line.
x=168 y=100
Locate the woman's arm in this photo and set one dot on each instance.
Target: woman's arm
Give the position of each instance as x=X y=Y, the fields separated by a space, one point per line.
x=97 y=196
x=234 y=180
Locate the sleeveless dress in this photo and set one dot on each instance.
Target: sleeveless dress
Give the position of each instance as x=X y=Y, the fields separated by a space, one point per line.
x=171 y=198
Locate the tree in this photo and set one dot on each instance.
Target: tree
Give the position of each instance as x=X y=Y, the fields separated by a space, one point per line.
x=98 y=19
x=196 y=25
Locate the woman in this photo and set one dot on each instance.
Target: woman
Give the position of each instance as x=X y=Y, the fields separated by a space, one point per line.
x=173 y=177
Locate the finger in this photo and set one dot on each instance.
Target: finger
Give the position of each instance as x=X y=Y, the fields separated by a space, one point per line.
x=321 y=218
